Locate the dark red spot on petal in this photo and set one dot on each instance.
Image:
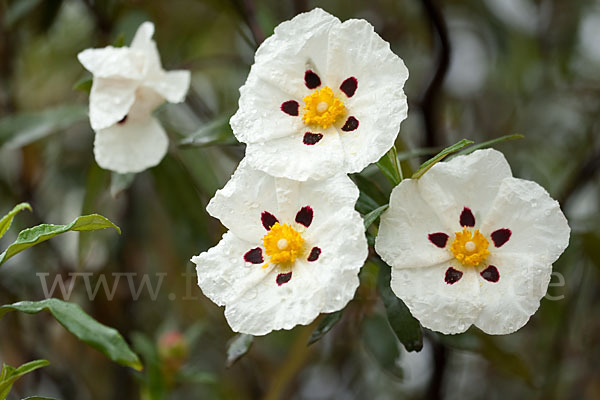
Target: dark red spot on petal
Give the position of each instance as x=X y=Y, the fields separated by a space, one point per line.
x=501 y=236
x=467 y=218
x=311 y=80
x=311 y=138
x=283 y=278
x=268 y=220
x=350 y=125
x=314 y=254
x=305 y=216
x=349 y=86
x=290 y=107
x=490 y=274
x=122 y=120
x=254 y=256
x=439 y=239
x=452 y=276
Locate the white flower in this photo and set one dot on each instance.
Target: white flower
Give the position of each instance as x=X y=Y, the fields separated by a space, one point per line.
x=294 y=250
x=129 y=83
x=470 y=244
x=323 y=97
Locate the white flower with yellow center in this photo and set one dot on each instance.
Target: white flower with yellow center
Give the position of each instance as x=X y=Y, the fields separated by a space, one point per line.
x=471 y=245
x=293 y=250
x=129 y=83
x=323 y=97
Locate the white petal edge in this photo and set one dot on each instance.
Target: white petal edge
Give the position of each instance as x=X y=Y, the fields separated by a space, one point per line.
x=110 y=101
x=379 y=104
x=223 y=275
x=471 y=181
x=403 y=237
x=134 y=146
x=439 y=306
x=240 y=203
x=538 y=226
x=113 y=62
x=509 y=303
x=290 y=158
x=172 y=85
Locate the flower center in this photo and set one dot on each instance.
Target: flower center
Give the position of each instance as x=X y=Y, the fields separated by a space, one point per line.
x=470 y=248
x=283 y=244
x=322 y=108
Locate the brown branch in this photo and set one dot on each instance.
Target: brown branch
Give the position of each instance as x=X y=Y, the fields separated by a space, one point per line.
x=430 y=98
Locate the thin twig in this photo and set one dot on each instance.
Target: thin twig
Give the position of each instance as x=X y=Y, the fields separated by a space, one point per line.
x=430 y=99
x=247 y=10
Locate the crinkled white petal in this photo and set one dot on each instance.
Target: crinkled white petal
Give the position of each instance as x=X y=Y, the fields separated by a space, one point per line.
x=335 y=51
x=254 y=302
x=509 y=303
x=296 y=45
x=142 y=41
x=259 y=117
x=241 y=202
x=538 y=226
x=110 y=101
x=329 y=199
x=172 y=85
x=469 y=181
x=114 y=62
x=403 y=238
x=442 y=307
x=224 y=275
x=379 y=104
x=289 y=157
x=133 y=146
x=322 y=286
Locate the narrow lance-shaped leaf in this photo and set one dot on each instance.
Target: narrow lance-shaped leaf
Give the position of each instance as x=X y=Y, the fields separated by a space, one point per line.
x=440 y=156
x=381 y=344
x=9 y=375
x=6 y=221
x=326 y=324
x=390 y=166
x=373 y=215
x=405 y=326
x=101 y=337
x=489 y=143
x=239 y=346
x=38 y=234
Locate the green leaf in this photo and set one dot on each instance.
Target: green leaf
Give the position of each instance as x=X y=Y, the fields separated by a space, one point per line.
x=405 y=326
x=373 y=215
x=440 y=156
x=19 y=130
x=6 y=221
x=326 y=324
x=38 y=398
x=101 y=337
x=9 y=375
x=381 y=343
x=489 y=143
x=84 y=84
x=238 y=347
x=38 y=234
x=216 y=132
x=390 y=166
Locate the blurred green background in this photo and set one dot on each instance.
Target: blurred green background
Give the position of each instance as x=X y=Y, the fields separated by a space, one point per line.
x=514 y=66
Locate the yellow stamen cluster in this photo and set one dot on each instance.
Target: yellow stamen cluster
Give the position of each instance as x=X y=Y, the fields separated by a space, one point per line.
x=470 y=248
x=283 y=244
x=322 y=108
